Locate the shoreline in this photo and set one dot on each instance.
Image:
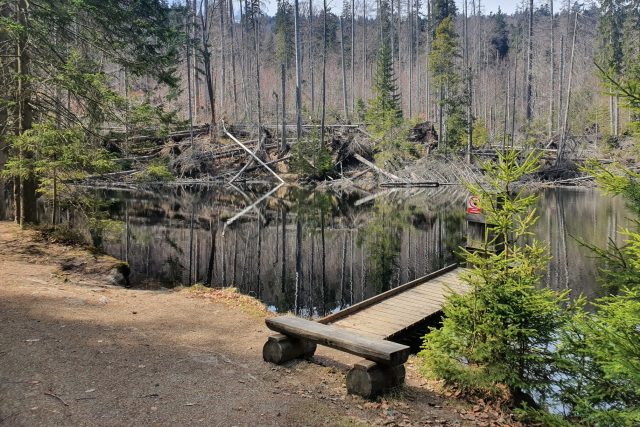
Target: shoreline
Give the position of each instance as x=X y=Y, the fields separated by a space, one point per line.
x=77 y=350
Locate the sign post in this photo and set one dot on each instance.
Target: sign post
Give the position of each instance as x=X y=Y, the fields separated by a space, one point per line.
x=477 y=228
x=473 y=207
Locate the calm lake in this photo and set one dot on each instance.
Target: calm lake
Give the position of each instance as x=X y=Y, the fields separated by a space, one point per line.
x=314 y=252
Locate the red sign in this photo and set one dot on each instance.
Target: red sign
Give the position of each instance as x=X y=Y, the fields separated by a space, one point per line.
x=472 y=205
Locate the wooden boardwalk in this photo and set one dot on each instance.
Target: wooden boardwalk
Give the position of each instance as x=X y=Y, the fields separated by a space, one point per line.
x=395 y=311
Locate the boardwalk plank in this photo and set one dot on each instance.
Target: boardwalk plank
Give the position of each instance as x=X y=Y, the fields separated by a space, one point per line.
x=401 y=312
x=380 y=316
x=408 y=305
x=386 y=317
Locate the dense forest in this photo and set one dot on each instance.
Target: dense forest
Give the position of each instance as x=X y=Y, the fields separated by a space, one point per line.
x=548 y=76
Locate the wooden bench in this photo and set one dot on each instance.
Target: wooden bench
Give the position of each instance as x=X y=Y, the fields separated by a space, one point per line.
x=381 y=369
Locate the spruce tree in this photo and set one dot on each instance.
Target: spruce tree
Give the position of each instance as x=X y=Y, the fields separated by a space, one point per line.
x=501 y=332
x=384 y=109
x=611 y=54
x=284 y=32
x=384 y=112
x=60 y=71
x=442 y=9
x=500 y=37
x=445 y=50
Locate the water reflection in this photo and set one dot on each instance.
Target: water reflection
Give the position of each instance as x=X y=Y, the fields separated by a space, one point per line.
x=313 y=252
x=568 y=216
x=298 y=250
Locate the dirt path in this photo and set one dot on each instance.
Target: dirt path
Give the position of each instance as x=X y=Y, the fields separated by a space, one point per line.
x=75 y=350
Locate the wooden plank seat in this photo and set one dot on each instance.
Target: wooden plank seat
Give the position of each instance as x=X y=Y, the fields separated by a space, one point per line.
x=382 y=368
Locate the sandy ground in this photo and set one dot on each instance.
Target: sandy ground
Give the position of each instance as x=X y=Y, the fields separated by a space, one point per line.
x=75 y=350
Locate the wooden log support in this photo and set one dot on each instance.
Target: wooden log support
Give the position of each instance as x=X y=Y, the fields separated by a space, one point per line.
x=383 y=352
x=382 y=368
x=369 y=379
x=280 y=349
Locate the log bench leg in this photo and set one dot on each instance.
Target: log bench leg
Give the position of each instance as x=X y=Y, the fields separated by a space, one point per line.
x=280 y=348
x=369 y=379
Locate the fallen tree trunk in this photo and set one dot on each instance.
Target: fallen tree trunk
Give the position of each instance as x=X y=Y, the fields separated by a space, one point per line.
x=256 y=158
x=377 y=169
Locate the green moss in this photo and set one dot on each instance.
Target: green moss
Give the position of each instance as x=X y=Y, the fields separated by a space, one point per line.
x=154 y=172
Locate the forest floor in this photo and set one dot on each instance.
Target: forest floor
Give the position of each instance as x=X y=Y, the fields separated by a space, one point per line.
x=76 y=350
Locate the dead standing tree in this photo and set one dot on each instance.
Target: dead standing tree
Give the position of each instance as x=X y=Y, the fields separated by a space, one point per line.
x=205 y=50
x=252 y=13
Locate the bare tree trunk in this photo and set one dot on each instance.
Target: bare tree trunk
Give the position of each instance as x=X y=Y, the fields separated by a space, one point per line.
x=616 y=111
x=530 y=63
x=612 y=120
x=24 y=119
x=283 y=76
x=4 y=116
x=552 y=73
x=440 y=120
x=126 y=112
x=17 y=187
x=256 y=43
x=563 y=140
x=188 y=63
x=411 y=44
x=467 y=72
x=324 y=72
x=427 y=86
x=417 y=54
x=391 y=30
x=344 y=74
x=513 y=104
x=194 y=65
x=298 y=73
x=353 y=55
x=506 y=112
x=560 y=81
x=223 y=78
x=312 y=60
x=233 y=59
x=206 y=58
x=485 y=102
x=364 y=48
x=3 y=159
x=244 y=61
x=54 y=208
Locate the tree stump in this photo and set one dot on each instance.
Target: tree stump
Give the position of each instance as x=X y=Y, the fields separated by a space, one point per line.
x=280 y=348
x=369 y=379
